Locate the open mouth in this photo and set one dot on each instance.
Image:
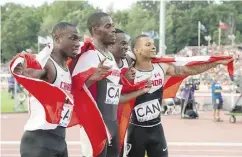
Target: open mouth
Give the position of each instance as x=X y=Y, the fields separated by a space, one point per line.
x=153 y=52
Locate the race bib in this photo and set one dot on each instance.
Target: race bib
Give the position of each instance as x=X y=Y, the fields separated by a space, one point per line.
x=113 y=93
x=148 y=110
x=66 y=115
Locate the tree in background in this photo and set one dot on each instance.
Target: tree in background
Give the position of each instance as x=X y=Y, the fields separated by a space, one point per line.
x=21 y=25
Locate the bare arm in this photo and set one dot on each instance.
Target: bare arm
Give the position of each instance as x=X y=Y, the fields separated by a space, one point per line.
x=218 y=91
x=173 y=70
x=126 y=97
x=29 y=72
x=89 y=82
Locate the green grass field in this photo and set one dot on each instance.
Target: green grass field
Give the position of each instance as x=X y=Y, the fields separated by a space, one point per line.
x=7 y=104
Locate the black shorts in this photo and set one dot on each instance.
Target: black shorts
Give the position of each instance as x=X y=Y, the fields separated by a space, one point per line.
x=149 y=139
x=217 y=105
x=41 y=143
x=111 y=150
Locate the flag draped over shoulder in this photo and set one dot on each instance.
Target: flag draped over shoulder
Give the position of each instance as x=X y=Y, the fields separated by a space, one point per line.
x=42 y=90
x=171 y=86
x=82 y=67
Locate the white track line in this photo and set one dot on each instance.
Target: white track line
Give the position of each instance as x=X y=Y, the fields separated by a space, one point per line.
x=78 y=155
x=169 y=143
x=170 y=150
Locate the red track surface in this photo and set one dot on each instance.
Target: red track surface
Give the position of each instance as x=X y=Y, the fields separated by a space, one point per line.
x=186 y=138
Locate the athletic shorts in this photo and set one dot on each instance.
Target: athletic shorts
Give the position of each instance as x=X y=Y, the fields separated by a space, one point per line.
x=40 y=143
x=112 y=149
x=146 y=139
x=217 y=104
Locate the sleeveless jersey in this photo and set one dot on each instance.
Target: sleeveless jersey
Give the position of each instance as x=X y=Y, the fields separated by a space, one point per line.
x=147 y=110
x=124 y=63
x=37 y=118
x=109 y=90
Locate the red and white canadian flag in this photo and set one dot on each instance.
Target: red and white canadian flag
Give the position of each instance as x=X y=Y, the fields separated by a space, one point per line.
x=41 y=90
x=171 y=85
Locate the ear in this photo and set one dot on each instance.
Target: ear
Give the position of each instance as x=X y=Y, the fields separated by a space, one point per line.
x=56 y=38
x=96 y=29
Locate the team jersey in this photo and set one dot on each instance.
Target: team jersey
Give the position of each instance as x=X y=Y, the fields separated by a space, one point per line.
x=109 y=90
x=37 y=118
x=147 y=109
x=124 y=64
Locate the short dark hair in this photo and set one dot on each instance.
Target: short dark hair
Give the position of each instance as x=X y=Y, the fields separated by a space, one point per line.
x=118 y=31
x=134 y=41
x=95 y=19
x=61 y=26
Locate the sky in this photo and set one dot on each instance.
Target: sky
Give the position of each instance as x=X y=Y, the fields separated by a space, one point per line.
x=103 y=4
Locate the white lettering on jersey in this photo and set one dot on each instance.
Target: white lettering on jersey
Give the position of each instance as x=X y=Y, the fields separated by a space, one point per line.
x=113 y=93
x=148 y=110
x=66 y=115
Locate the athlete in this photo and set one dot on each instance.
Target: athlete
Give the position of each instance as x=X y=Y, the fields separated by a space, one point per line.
x=119 y=50
x=145 y=132
x=106 y=92
x=42 y=139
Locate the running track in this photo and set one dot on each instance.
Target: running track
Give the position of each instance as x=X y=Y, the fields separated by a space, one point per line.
x=186 y=138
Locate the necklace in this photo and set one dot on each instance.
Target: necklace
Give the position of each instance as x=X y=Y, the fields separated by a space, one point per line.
x=106 y=54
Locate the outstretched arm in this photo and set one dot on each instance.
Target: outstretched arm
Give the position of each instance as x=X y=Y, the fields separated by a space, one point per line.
x=173 y=70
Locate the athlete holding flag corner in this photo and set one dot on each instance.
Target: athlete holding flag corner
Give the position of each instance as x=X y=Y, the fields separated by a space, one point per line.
x=145 y=132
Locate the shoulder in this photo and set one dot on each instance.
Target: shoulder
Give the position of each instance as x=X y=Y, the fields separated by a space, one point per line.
x=165 y=66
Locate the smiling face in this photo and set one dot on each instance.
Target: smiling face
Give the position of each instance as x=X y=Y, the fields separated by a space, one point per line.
x=145 y=48
x=120 y=47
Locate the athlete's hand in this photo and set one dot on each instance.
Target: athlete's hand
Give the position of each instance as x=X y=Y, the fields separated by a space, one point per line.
x=148 y=86
x=130 y=74
x=225 y=61
x=19 y=69
x=101 y=71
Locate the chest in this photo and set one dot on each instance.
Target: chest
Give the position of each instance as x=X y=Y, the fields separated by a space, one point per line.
x=156 y=76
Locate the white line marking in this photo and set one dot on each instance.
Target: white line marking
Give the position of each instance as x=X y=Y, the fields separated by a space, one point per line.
x=18 y=155
x=170 y=150
x=169 y=143
x=78 y=155
x=201 y=156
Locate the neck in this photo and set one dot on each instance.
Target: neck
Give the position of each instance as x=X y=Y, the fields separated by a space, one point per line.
x=118 y=60
x=143 y=64
x=100 y=45
x=59 y=58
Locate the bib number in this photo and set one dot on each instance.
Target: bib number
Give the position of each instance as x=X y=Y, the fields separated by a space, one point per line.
x=66 y=115
x=113 y=93
x=148 y=111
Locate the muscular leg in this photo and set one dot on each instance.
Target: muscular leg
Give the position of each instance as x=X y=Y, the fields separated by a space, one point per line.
x=39 y=143
x=136 y=141
x=156 y=144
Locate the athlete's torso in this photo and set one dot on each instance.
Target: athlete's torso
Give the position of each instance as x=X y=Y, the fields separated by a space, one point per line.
x=109 y=90
x=37 y=119
x=147 y=110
